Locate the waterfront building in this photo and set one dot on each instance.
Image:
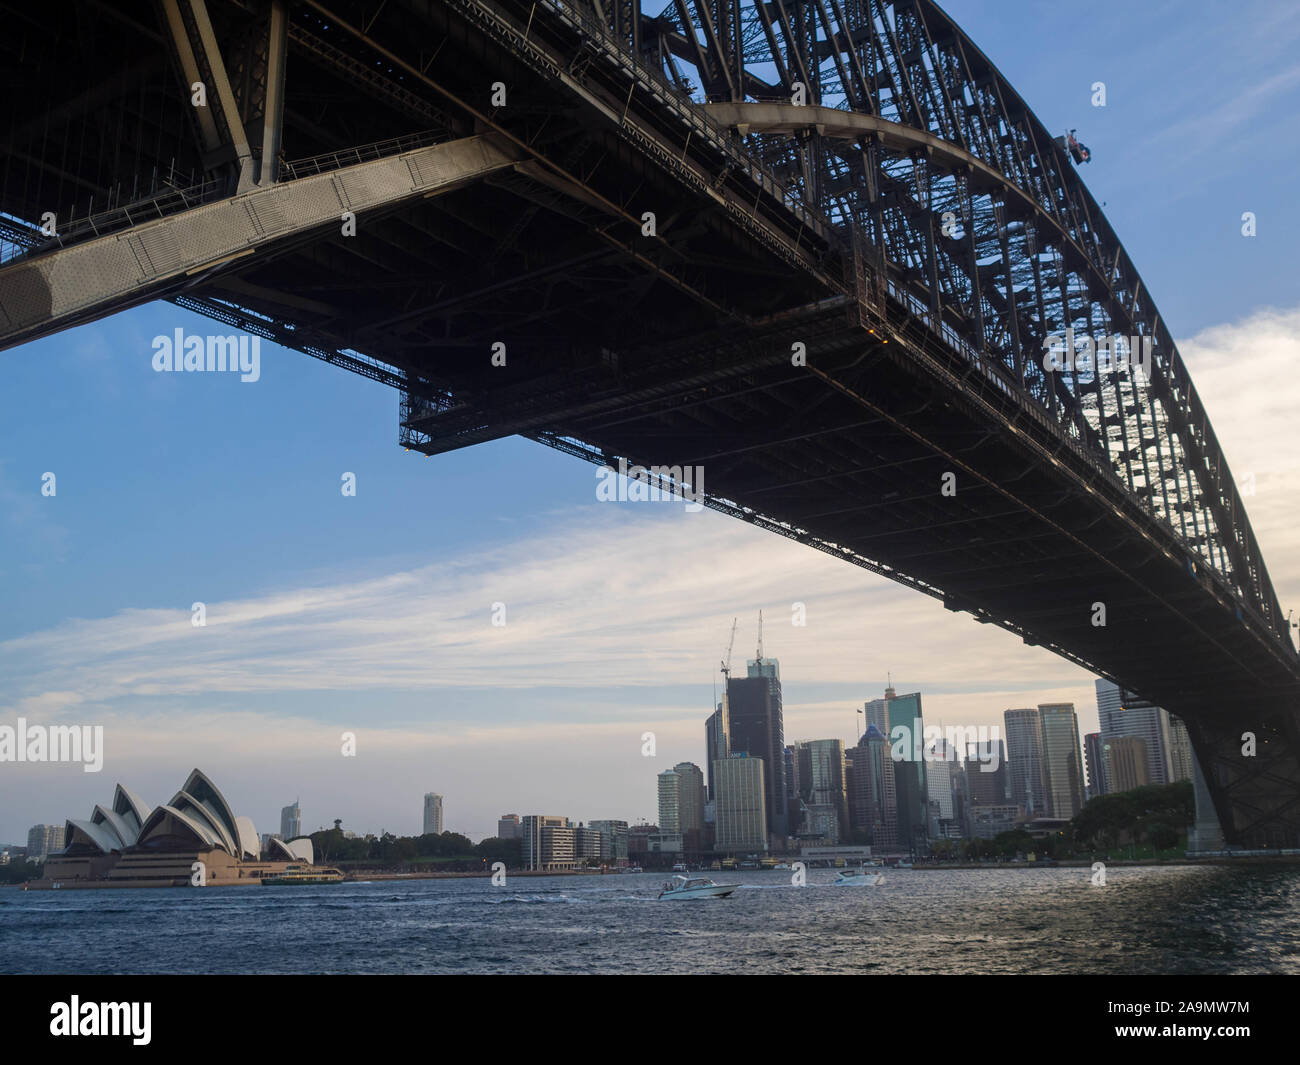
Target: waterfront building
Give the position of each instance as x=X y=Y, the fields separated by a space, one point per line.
x=432 y=814
x=1062 y=762
x=756 y=728
x=690 y=804
x=508 y=827
x=613 y=839
x=548 y=842
x=670 y=801
x=1024 y=729
x=588 y=843
x=130 y=844
x=741 y=807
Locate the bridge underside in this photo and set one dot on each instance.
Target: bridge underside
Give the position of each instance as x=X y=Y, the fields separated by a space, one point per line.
x=892 y=448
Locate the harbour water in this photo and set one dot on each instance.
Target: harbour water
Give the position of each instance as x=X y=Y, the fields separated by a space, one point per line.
x=1186 y=919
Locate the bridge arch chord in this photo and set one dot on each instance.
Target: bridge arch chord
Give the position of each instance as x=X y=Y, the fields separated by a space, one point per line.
x=905 y=126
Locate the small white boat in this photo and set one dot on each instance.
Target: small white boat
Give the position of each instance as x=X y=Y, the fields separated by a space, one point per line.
x=697 y=887
x=633 y=869
x=782 y=865
x=680 y=867
x=859 y=878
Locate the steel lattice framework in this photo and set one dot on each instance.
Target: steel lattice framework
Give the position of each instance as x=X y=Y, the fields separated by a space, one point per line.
x=850 y=177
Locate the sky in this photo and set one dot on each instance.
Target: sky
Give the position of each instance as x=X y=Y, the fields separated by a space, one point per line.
x=372 y=614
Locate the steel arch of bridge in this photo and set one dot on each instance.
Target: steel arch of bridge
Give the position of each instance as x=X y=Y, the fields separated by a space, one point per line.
x=903 y=122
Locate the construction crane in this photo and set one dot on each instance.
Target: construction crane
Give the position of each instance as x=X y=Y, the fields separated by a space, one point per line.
x=726 y=662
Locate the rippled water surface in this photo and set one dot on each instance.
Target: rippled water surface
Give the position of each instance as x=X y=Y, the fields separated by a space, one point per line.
x=1206 y=919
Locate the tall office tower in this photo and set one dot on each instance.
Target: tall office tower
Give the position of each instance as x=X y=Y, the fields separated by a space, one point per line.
x=508 y=826
x=1094 y=763
x=44 y=840
x=690 y=804
x=1124 y=714
x=939 y=778
x=821 y=781
x=876 y=769
x=669 y=801
x=290 y=822
x=1062 y=762
x=756 y=729
x=1128 y=763
x=613 y=839
x=716 y=739
x=433 y=814
x=876 y=712
x=1182 y=758
x=987 y=788
x=1028 y=789
x=548 y=842
x=903 y=712
x=793 y=804
x=741 y=805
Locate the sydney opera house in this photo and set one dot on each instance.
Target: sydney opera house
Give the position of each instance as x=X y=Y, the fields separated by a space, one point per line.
x=130 y=844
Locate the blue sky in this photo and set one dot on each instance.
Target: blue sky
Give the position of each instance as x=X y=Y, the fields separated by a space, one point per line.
x=372 y=613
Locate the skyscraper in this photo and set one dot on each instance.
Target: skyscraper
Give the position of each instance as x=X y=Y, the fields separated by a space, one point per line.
x=433 y=814
x=669 y=801
x=1127 y=763
x=1124 y=714
x=1062 y=762
x=1025 y=761
x=290 y=822
x=741 y=805
x=905 y=730
x=874 y=802
x=987 y=788
x=1094 y=763
x=690 y=804
x=939 y=779
x=716 y=742
x=822 y=784
x=508 y=826
x=756 y=728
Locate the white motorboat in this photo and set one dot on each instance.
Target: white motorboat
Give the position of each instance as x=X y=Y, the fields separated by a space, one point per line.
x=859 y=878
x=695 y=887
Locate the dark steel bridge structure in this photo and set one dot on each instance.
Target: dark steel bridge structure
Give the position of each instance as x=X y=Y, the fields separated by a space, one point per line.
x=815 y=247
